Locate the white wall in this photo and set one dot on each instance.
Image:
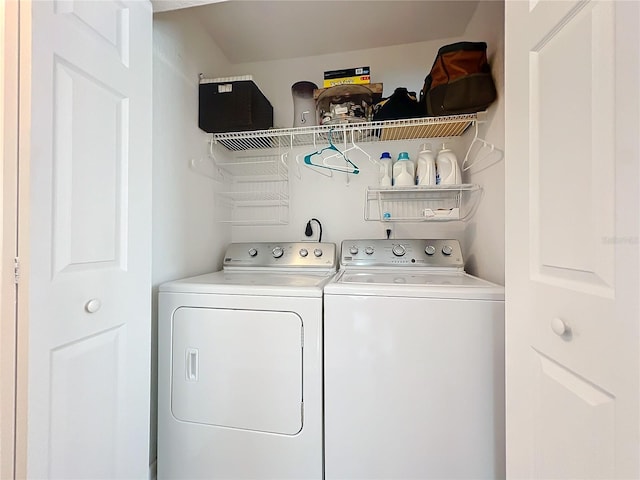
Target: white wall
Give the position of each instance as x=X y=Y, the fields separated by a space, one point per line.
x=340 y=206
x=186 y=238
x=336 y=203
x=484 y=240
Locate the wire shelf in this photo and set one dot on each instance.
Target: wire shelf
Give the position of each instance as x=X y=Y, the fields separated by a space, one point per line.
x=257 y=180
x=247 y=210
x=252 y=199
x=256 y=189
x=255 y=168
x=388 y=130
x=440 y=203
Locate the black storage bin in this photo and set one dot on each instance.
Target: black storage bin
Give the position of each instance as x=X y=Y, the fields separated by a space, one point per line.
x=233 y=107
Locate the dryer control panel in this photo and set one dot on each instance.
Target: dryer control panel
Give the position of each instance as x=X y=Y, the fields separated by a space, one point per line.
x=288 y=255
x=435 y=253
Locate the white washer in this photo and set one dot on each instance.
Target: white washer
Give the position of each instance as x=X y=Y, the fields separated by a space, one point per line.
x=413 y=365
x=240 y=366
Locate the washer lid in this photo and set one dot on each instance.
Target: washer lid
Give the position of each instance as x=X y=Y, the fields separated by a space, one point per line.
x=248 y=282
x=403 y=283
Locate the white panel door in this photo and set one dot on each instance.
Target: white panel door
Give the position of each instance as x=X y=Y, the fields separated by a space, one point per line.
x=89 y=288
x=8 y=227
x=572 y=177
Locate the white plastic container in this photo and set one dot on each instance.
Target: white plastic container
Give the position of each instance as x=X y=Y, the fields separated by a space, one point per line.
x=403 y=171
x=447 y=169
x=426 y=174
x=386 y=169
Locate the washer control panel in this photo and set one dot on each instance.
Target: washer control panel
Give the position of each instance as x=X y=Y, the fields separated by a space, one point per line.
x=437 y=253
x=281 y=255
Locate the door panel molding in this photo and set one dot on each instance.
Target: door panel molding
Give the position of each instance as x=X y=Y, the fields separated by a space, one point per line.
x=108 y=20
x=90 y=163
x=572 y=100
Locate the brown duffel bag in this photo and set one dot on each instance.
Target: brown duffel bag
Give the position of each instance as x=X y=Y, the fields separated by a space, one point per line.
x=460 y=80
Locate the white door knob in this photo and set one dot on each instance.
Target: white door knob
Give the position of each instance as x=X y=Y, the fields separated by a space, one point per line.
x=93 y=305
x=559 y=327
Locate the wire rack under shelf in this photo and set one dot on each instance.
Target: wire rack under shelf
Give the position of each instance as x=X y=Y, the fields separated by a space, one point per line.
x=254 y=190
x=254 y=199
x=388 y=130
x=255 y=168
x=253 y=208
x=440 y=203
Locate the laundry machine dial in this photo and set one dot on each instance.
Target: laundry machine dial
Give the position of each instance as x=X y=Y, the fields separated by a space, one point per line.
x=447 y=250
x=317 y=252
x=353 y=250
x=368 y=250
x=304 y=252
x=430 y=250
x=277 y=252
x=399 y=250
x=253 y=252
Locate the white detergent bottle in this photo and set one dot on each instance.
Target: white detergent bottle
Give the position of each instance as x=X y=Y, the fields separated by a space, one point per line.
x=426 y=174
x=403 y=171
x=447 y=169
x=386 y=169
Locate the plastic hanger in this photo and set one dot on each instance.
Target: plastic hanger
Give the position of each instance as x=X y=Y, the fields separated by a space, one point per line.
x=323 y=172
x=350 y=167
x=482 y=145
x=354 y=146
x=204 y=167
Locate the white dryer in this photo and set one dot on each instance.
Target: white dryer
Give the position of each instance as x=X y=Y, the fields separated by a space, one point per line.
x=413 y=365
x=240 y=366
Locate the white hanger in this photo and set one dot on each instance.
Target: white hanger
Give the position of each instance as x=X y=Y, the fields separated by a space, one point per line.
x=482 y=145
x=349 y=167
x=354 y=146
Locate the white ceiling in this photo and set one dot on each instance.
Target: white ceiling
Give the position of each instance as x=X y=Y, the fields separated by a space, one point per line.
x=263 y=30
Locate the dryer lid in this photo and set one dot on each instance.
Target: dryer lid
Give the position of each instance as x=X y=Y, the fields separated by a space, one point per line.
x=250 y=282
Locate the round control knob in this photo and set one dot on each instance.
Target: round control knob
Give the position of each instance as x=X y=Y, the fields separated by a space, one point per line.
x=368 y=250
x=253 y=252
x=353 y=250
x=430 y=250
x=447 y=250
x=304 y=252
x=277 y=252
x=399 y=250
x=317 y=252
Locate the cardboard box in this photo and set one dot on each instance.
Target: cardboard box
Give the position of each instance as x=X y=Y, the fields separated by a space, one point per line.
x=347 y=72
x=233 y=106
x=347 y=76
x=362 y=80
